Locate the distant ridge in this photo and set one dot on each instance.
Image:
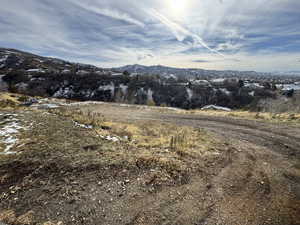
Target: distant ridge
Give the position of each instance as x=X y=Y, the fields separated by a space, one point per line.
x=187 y=72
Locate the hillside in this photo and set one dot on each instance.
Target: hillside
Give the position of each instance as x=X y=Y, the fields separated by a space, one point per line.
x=34 y=75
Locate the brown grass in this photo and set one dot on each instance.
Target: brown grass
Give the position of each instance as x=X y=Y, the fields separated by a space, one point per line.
x=147 y=144
x=8 y=100
x=9 y=216
x=263 y=116
x=88 y=118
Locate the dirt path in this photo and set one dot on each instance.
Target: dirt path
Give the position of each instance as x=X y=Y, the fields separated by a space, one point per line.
x=261 y=184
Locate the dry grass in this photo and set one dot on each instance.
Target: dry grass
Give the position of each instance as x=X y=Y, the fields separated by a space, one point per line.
x=88 y=118
x=147 y=144
x=9 y=216
x=160 y=144
x=8 y=101
x=264 y=116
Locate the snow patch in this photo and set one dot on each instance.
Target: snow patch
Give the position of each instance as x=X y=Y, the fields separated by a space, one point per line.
x=36 y=70
x=124 y=88
x=111 y=138
x=190 y=93
x=110 y=87
x=150 y=95
x=224 y=90
x=65 y=71
x=215 y=107
x=45 y=106
x=219 y=80
x=8 y=133
x=82 y=125
x=3 y=59
x=64 y=92
x=287 y=87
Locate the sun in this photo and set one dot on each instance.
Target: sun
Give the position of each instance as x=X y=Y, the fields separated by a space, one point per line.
x=177 y=8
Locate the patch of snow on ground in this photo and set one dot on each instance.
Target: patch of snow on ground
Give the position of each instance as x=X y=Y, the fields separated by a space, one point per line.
x=219 y=80
x=224 y=90
x=36 y=70
x=64 y=92
x=82 y=125
x=124 y=88
x=8 y=133
x=109 y=87
x=287 y=87
x=111 y=138
x=215 y=107
x=45 y=106
x=150 y=95
x=3 y=59
x=190 y=93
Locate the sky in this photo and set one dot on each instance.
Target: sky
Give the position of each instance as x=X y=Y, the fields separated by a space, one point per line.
x=260 y=35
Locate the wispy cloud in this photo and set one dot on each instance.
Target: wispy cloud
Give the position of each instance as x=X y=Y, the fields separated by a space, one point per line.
x=112 y=13
x=180 y=32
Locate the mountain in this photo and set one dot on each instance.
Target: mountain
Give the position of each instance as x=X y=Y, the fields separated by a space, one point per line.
x=12 y=59
x=188 y=73
x=289 y=73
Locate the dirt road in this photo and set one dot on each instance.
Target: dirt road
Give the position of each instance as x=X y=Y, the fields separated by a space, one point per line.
x=261 y=184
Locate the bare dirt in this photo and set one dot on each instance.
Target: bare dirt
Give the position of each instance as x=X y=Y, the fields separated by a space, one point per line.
x=254 y=179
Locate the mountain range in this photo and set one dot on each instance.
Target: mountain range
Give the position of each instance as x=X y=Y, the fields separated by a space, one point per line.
x=20 y=60
x=189 y=72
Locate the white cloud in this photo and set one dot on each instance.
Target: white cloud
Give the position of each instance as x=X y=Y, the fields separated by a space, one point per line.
x=180 y=32
x=113 y=13
x=228 y=46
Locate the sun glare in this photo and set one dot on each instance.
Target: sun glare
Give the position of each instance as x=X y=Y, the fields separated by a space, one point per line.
x=177 y=8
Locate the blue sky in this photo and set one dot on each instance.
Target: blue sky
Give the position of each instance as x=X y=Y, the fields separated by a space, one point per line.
x=261 y=35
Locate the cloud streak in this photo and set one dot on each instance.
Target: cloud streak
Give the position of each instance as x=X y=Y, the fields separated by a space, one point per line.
x=112 y=13
x=180 y=32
